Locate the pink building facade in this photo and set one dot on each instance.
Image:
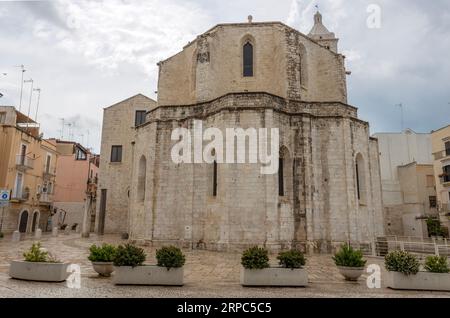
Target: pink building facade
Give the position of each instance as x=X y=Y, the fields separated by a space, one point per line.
x=76 y=184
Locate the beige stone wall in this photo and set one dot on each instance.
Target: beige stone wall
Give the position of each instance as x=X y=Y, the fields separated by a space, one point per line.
x=211 y=66
x=118 y=129
x=322 y=209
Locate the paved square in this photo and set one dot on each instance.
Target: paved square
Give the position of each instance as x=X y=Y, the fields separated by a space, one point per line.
x=207 y=274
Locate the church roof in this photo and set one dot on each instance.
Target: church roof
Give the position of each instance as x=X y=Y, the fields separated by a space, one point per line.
x=130 y=98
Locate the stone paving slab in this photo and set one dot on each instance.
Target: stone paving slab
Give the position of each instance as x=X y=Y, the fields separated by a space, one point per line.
x=207 y=274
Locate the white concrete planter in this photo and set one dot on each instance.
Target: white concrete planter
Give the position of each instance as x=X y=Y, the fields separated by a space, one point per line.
x=148 y=275
x=41 y=272
x=421 y=281
x=351 y=273
x=274 y=276
x=103 y=268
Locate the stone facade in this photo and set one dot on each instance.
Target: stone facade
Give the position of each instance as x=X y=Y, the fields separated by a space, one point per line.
x=299 y=87
x=115 y=177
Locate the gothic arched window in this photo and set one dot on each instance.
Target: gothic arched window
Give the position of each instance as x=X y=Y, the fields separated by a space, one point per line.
x=248 y=60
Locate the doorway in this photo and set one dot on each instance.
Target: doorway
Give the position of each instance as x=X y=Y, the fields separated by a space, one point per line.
x=102 y=212
x=23 y=222
x=35 y=223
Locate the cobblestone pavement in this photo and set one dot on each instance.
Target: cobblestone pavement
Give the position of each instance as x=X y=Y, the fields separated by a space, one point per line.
x=207 y=274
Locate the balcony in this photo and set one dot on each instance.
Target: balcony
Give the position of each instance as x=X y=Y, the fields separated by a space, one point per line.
x=45 y=198
x=443 y=154
x=24 y=163
x=21 y=195
x=49 y=172
x=93 y=180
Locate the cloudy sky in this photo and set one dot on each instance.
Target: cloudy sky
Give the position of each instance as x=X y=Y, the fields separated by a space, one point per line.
x=86 y=55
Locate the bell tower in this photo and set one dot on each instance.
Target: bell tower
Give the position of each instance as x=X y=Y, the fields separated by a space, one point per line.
x=320 y=34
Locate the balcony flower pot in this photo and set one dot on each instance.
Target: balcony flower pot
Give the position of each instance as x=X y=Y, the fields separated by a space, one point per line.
x=274 y=277
x=41 y=272
x=351 y=274
x=421 y=281
x=104 y=269
x=148 y=275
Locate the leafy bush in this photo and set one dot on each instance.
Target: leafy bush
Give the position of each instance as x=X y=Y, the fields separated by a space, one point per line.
x=1 y=235
x=403 y=262
x=437 y=264
x=255 y=258
x=434 y=227
x=291 y=259
x=348 y=257
x=37 y=254
x=104 y=253
x=129 y=255
x=170 y=257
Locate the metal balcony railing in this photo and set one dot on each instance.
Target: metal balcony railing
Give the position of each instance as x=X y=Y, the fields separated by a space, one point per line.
x=93 y=180
x=21 y=194
x=49 y=171
x=46 y=198
x=24 y=162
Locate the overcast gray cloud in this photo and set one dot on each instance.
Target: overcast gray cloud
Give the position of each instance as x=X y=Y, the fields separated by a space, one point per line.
x=86 y=55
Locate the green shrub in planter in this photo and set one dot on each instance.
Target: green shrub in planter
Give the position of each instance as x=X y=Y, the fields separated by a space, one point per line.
x=291 y=259
x=129 y=255
x=170 y=257
x=437 y=264
x=255 y=258
x=402 y=262
x=102 y=254
x=36 y=254
x=348 y=257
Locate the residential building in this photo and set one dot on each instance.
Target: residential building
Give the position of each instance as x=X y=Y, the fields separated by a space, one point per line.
x=441 y=152
x=407 y=180
x=76 y=184
x=28 y=170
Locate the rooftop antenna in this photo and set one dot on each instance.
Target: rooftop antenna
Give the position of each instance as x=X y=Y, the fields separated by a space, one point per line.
x=402 y=115
x=87 y=141
x=21 y=85
x=62 y=128
x=37 y=105
x=31 y=96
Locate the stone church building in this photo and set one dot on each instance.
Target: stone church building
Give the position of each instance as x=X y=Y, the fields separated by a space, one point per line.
x=263 y=75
